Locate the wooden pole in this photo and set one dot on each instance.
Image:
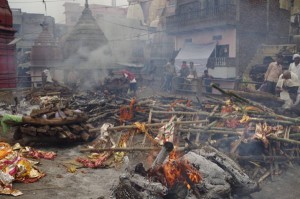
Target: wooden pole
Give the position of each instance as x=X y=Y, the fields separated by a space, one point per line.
x=182 y=112
x=290 y=141
x=209 y=131
x=147 y=125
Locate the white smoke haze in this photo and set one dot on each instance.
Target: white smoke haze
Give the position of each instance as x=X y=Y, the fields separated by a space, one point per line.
x=91 y=66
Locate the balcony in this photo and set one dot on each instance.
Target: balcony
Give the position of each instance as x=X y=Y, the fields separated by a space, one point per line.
x=222 y=15
x=221 y=61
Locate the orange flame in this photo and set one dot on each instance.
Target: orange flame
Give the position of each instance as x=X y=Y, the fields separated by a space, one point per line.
x=178 y=170
x=126 y=113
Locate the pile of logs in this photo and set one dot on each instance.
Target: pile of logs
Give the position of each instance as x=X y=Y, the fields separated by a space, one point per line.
x=56 y=123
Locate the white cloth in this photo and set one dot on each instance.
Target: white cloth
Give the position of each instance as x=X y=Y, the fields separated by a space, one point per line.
x=48 y=75
x=295 y=56
x=288 y=102
x=295 y=69
x=294 y=81
x=131 y=81
x=105 y=134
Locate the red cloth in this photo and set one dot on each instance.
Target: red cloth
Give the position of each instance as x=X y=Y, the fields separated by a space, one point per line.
x=130 y=75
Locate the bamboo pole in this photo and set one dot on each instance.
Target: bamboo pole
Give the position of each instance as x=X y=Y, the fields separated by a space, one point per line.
x=241 y=99
x=158 y=148
x=147 y=125
x=290 y=141
x=182 y=112
x=209 y=131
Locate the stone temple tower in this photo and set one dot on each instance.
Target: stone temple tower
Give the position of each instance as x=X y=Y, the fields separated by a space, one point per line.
x=85 y=37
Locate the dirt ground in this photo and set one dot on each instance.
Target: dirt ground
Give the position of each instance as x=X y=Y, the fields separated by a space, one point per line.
x=97 y=183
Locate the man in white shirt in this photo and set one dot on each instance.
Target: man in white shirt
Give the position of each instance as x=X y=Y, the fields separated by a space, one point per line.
x=287 y=85
x=295 y=66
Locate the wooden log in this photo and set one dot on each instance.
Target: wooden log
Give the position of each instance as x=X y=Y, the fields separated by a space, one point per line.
x=43 y=129
x=85 y=136
x=153 y=187
x=76 y=129
x=29 y=130
x=54 y=121
x=262 y=178
x=40 y=112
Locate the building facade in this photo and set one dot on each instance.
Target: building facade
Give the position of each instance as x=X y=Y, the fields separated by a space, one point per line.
x=7 y=50
x=237 y=27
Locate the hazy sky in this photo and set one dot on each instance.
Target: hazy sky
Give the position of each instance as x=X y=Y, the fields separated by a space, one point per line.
x=54 y=7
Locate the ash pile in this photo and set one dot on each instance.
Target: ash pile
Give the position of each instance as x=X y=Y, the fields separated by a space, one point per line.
x=185 y=173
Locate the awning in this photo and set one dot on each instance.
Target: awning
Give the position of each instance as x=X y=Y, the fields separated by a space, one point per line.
x=197 y=53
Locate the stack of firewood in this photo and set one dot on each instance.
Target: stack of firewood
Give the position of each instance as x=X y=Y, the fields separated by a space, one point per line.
x=56 y=122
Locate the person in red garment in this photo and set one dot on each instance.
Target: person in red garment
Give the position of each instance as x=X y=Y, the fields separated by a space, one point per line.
x=132 y=81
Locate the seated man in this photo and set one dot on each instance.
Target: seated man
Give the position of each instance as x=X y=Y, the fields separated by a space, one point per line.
x=288 y=85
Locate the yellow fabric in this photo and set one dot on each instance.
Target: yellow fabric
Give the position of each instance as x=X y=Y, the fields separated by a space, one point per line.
x=284 y=4
x=296 y=8
x=141 y=126
x=154 y=7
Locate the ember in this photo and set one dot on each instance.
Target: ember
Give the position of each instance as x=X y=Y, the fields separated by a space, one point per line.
x=178 y=170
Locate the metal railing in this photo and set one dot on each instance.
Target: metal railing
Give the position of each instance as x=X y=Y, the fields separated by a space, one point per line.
x=221 y=12
x=221 y=61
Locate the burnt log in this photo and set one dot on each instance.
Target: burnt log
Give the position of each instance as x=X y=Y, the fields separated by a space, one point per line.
x=126 y=191
x=215 y=179
x=153 y=187
x=241 y=182
x=29 y=130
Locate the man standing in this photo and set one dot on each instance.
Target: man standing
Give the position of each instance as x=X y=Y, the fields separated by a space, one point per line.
x=170 y=72
x=272 y=74
x=184 y=70
x=207 y=81
x=295 y=66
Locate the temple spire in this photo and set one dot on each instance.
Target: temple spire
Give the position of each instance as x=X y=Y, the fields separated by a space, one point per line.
x=86 y=4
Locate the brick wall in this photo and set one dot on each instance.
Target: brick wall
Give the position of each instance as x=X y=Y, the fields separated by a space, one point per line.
x=253 y=29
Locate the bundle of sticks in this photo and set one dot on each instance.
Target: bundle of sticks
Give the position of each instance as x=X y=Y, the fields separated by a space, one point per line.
x=58 y=123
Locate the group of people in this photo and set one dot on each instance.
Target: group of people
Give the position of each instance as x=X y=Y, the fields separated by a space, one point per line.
x=186 y=74
x=284 y=82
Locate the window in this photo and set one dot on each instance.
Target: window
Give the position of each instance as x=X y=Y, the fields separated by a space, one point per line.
x=222 y=51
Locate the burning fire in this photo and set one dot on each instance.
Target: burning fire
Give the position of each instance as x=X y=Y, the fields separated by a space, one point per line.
x=178 y=170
